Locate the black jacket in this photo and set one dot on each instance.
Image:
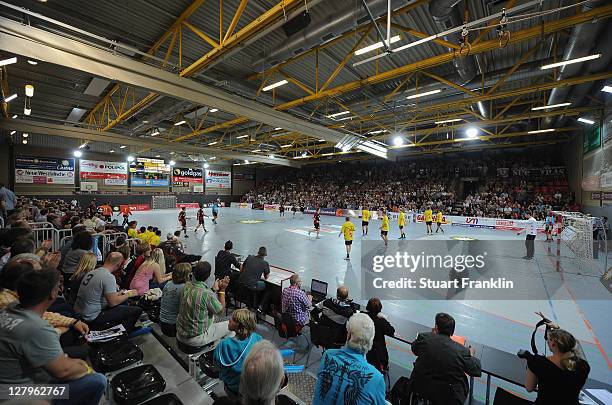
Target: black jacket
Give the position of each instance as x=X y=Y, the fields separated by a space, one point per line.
x=440 y=368
x=378 y=355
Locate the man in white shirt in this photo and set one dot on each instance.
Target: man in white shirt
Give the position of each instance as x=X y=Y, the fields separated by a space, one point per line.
x=531 y=229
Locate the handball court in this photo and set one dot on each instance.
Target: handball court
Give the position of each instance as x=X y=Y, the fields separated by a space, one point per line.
x=506 y=325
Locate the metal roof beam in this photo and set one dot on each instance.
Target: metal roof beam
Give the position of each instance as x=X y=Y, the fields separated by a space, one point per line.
x=37 y=127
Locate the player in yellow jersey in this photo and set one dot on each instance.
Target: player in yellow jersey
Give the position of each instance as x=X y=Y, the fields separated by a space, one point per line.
x=401 y=221
x=348 y=229
x=429 y=220
x=384 y=227
x=439 y=222
x=365 y=220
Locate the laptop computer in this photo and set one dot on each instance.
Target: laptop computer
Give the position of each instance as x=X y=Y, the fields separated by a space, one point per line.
x=318 y=289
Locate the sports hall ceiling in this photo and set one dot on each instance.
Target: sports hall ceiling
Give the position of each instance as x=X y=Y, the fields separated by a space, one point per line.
x=239 y=47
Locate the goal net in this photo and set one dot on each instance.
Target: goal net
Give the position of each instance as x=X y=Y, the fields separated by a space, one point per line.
x=161 y=202
x=582 y=239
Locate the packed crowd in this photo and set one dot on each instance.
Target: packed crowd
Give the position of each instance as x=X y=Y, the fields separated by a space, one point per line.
x=50 y=301
x=508 y=187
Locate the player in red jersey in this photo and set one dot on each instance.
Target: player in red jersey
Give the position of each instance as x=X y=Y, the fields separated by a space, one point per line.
x=316 y=220
x=182 y=217
x=125 y=212
x=201 y=216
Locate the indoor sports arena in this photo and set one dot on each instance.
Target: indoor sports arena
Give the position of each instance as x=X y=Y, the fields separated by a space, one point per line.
x=343 y=202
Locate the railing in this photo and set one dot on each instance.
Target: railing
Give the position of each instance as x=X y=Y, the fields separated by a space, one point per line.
x=44 y=231
x=105 y=240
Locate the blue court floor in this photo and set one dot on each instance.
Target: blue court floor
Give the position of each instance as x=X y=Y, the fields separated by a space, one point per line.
x=502 y=324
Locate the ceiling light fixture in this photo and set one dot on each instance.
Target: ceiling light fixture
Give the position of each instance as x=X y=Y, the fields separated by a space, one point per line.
x=25 y=142
x=472 y=132
x=338 y=114
x=111 y=151
x=25 y=135
x=398 y=141
x=571 y=61
x=77 y=153
x=448 y=121
x=304 y=154
x=286 y=146
x=275 y=85
x=256 y=151
x=27 y=111
x=8 y=61
x=14 y=116
x=213 y=110
x=213 y=143
x=326 y=154
x=29 y=90
x=180 y=122
x=545 y=107
x=122 y=147
x=13 y=132
x=277 y=128
x=81 y=146
x=427 y=93
x=540 y=131
x=10 y=98
x=586 y=121
x=206 y=165
x=377 y=45
x=322 y=140
x=172 y=163
x=271 y=156
x=380 y=131
x=130 y=158
x=32 y=62
x=241 y=136
x=155 y=132
x=607 y=89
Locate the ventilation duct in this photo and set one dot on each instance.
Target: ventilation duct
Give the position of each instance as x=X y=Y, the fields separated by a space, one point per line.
x=319 y=32
x=446 y=16
x=581 y=40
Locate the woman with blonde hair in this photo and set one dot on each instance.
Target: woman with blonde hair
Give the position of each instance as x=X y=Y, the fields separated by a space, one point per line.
x=87 y=263
x=231 y=351
x=560 y=376
x=153 y=268
x=171 y=298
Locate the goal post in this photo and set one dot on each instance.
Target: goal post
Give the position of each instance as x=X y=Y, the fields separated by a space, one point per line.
x=161 y=202
x=581 y=238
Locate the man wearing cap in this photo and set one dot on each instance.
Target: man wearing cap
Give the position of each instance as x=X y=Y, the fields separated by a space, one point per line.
x=250 y=276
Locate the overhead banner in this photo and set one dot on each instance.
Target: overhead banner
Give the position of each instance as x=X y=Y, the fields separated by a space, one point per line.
x=113 y=173
x=37 y=170
x=218 y=179
x=184 y=177
x=147 y=182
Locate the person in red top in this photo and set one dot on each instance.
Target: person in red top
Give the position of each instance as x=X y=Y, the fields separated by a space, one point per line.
x=107 y=211
x=316 y=220
x=125 y=212
x=183 y=221
x=201 y=216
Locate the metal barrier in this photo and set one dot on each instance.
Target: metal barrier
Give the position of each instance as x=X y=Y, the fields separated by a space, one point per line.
x=107 y=239
x=1 y=222
x=132 y=243
x=44 y=231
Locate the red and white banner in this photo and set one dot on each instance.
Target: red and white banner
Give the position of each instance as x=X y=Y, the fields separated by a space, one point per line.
x=421 y=218
x=116 y=172
x=271 y=207
x=135 y=207
x=187 y=205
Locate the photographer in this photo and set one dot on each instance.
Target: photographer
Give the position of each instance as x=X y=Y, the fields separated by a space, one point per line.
x=560 y=376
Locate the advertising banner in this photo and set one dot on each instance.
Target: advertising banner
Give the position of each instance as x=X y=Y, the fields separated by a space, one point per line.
x=185 y=176
x=100 y=170
x=188 y=205
x=138 y=182
x=145 y=165
x=35 y=170
x=243 y=205
x=218 y=179
x=135 y=207
x=271 y=207
x=598 y=196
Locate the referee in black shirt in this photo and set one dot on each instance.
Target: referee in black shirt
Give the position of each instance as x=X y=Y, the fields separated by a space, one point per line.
x=224 y=260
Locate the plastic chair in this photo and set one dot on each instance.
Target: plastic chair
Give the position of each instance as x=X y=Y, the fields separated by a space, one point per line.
x=285 y=327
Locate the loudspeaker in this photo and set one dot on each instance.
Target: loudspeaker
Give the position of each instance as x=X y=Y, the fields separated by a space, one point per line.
x=297 y=23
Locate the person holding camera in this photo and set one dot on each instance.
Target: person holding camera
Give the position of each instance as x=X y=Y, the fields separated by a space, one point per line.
x=560 y=376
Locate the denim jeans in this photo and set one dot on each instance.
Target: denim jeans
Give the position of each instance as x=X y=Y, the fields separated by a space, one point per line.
x=87 y=390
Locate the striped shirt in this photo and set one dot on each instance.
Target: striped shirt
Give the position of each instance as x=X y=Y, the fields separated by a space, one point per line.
x=198 y=306
x=296 y=303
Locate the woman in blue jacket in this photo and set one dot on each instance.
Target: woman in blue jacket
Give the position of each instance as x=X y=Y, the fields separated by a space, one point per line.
x=231 y=351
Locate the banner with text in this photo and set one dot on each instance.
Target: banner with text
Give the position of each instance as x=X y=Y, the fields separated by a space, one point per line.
x=113 y=173
x=186 y=176
x=37 y=170
x=218 y=179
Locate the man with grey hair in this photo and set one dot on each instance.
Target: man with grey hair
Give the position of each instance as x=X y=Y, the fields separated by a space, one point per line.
x=345 y=377
x=296 y=302
x=262 y=374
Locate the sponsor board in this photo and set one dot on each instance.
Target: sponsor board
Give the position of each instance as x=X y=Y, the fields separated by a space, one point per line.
x=599 y=196
x=41 y=176
x=188 y=205
x=40 y=163
x=137 y=182
x=270 y=207
x=135 y=207
x=243 y=205
x=218 y=179
x=445 y=219
x=184 y=176
x=100 y=170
